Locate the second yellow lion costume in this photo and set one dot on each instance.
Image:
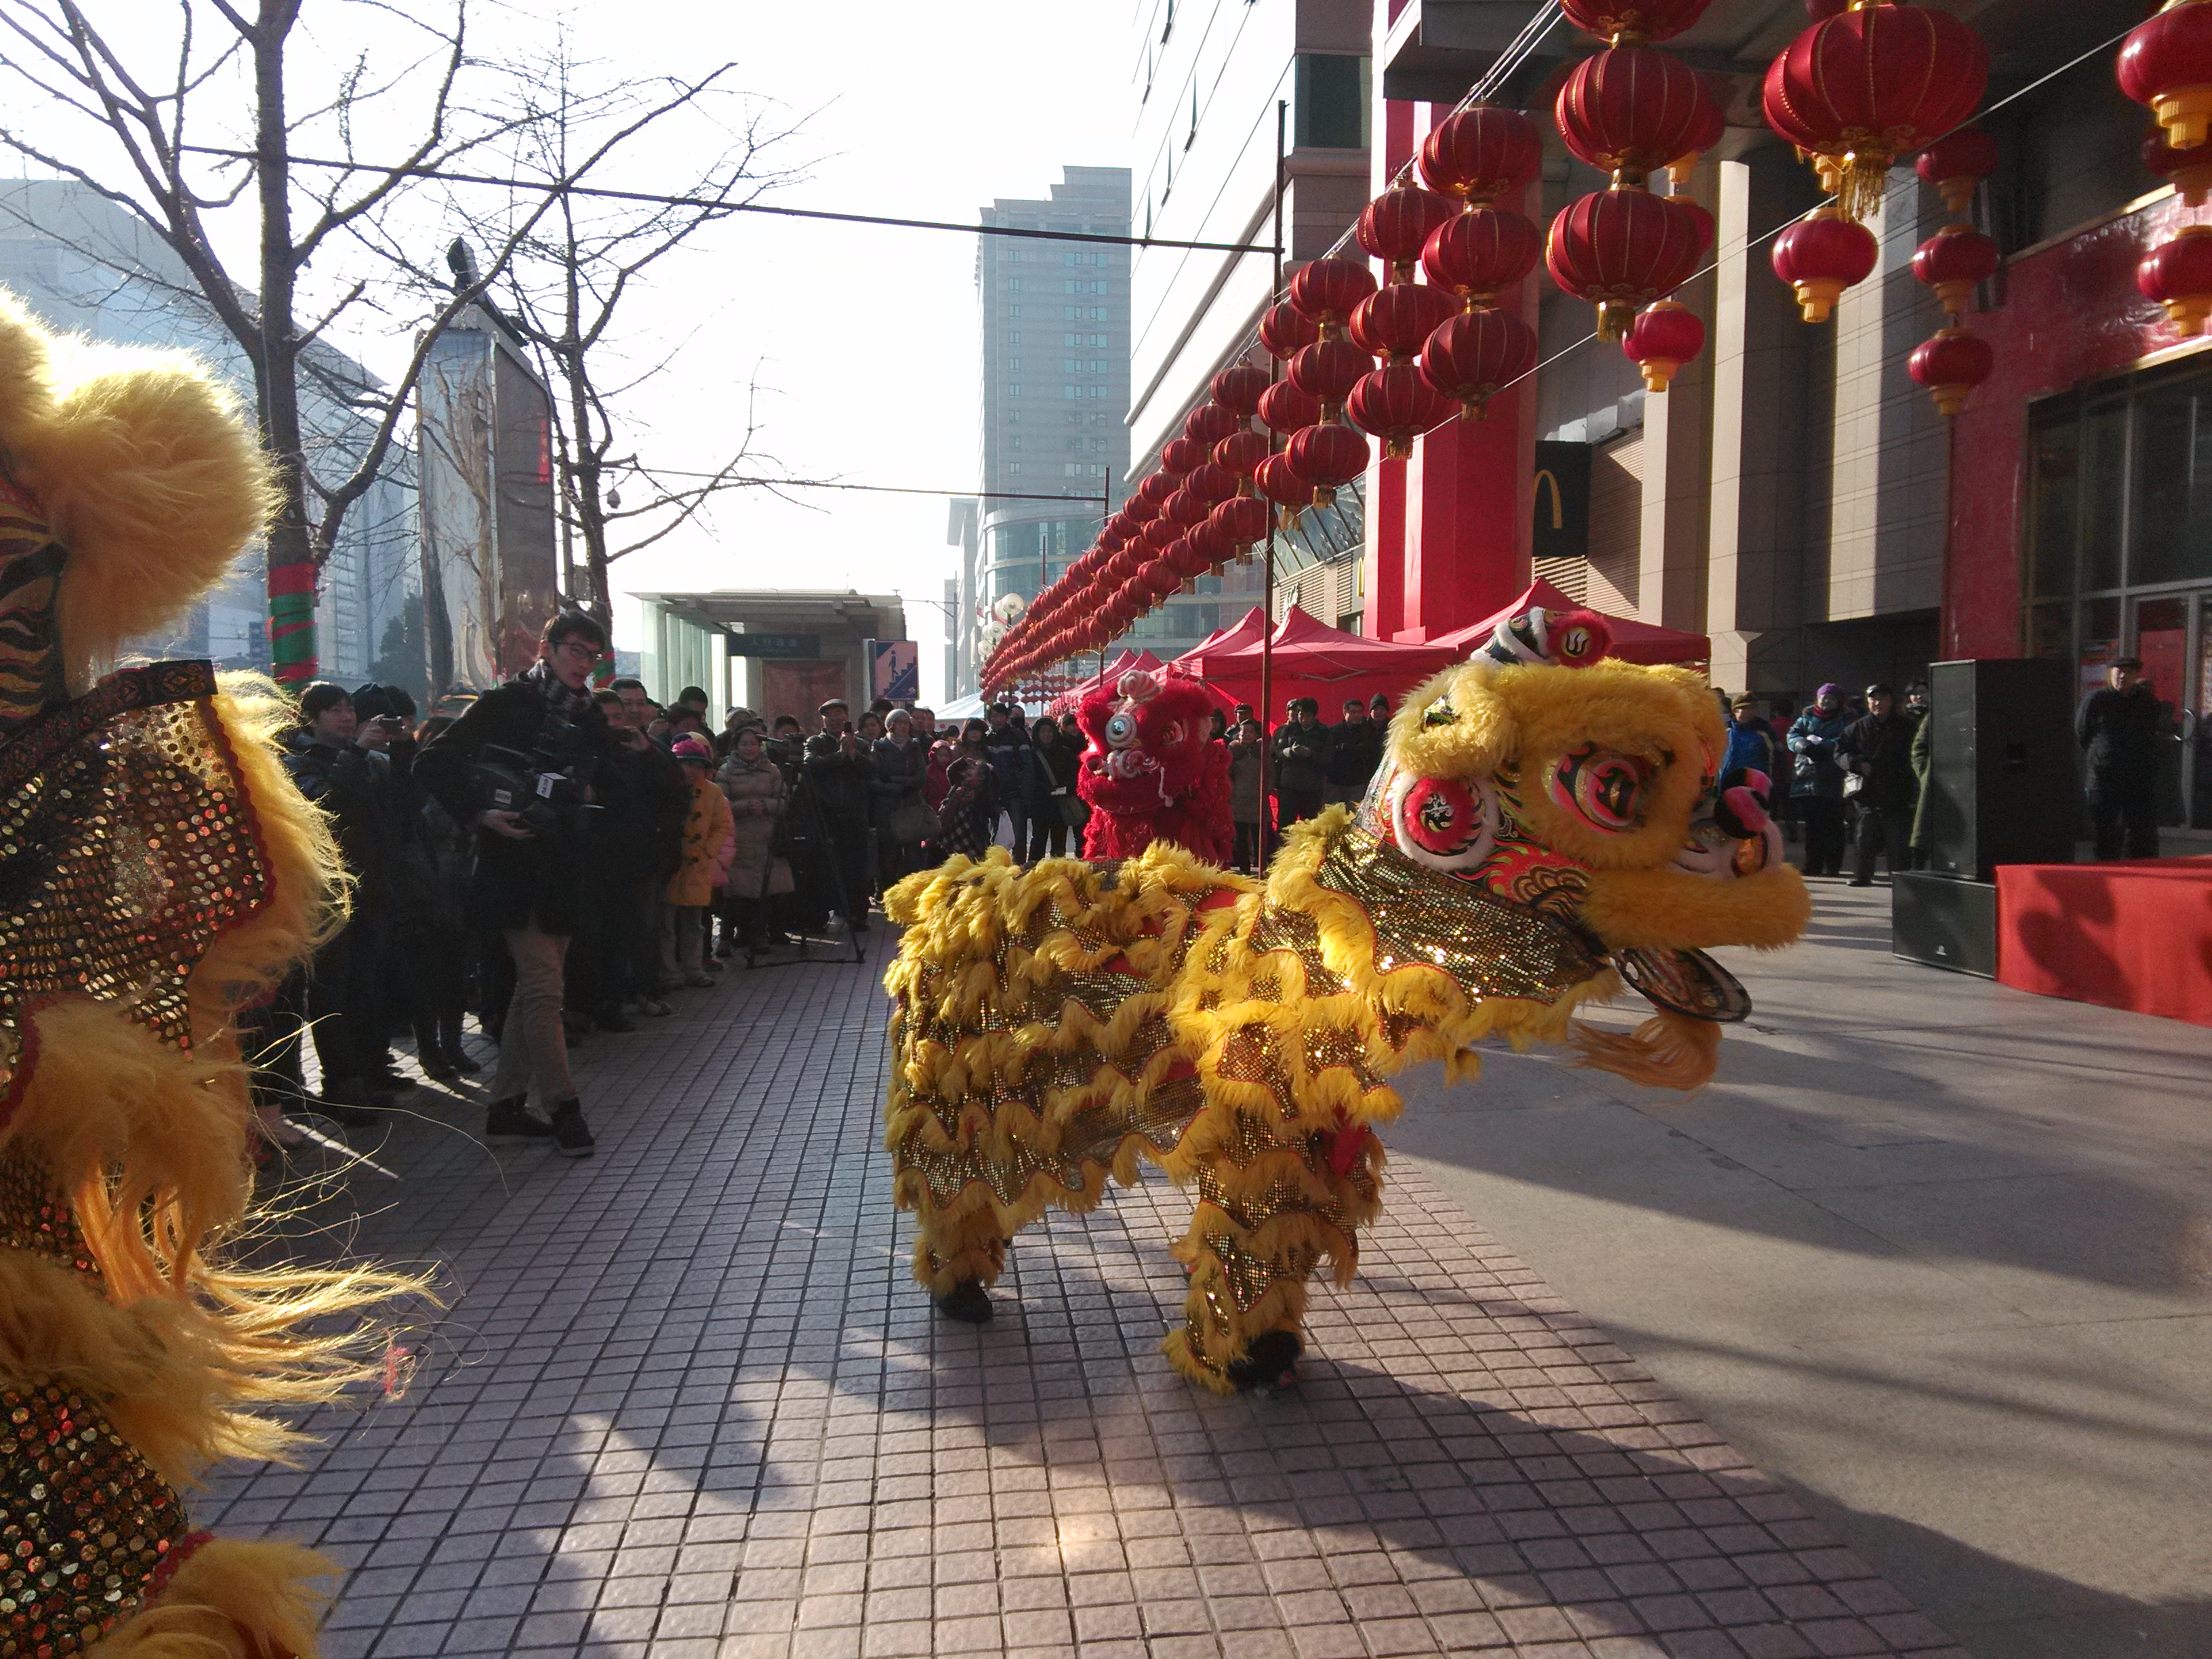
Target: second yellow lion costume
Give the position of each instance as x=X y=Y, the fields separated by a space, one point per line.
x=1536 y=834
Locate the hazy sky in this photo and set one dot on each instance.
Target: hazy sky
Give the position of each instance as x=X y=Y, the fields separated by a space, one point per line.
x=863 y=339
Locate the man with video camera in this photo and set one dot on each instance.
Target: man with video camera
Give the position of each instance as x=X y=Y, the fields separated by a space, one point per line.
x=520 y=766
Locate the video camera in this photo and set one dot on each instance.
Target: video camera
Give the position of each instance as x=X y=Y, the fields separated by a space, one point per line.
x=545 y=799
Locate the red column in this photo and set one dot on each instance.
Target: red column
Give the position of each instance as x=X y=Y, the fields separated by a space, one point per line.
x=1467 y=518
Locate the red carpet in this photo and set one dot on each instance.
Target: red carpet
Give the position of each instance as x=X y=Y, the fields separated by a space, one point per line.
x=2133 y=934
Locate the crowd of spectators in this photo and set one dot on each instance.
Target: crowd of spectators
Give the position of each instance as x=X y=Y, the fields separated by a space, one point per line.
x=558 y=859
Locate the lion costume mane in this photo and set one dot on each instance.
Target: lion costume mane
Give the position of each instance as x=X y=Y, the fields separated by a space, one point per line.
x=158 y=873
x=1544 y=827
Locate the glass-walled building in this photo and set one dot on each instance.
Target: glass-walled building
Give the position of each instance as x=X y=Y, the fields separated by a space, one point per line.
x=1055 y=344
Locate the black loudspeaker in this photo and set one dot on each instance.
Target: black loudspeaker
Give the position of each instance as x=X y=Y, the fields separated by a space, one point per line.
x=2003 y=786
x=1944 y=922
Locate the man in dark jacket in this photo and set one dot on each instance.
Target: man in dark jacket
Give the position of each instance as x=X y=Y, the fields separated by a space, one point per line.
x=1877 y=749
x=541 y=737
x=341 y=993
x=1007 y=745
x=2119 y=726
x=834 y=790
x=1301 y=756
x=1355 y=750
x=636 y=836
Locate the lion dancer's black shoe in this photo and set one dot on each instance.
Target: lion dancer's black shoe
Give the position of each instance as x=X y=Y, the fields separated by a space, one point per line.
x=967 y=1302
x=1270 y=1362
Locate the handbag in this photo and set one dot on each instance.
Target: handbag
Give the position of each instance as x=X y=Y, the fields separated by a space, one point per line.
x=1074 y=810
x=911 y=820
x=1853 y=782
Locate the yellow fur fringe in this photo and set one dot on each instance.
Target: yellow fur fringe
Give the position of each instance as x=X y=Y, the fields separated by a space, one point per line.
x=230 y=1600
x=147 y=470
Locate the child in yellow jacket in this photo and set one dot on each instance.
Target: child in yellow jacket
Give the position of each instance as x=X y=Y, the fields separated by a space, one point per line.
x=709 y=843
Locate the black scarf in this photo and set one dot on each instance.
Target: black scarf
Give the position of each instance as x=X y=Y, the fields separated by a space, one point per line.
x=567 y=702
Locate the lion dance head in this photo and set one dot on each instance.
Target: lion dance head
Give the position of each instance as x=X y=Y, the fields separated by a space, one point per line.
x=1588 y=791
x=1149 y=771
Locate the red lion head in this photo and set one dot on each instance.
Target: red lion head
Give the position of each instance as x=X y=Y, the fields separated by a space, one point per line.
x=1147 y=741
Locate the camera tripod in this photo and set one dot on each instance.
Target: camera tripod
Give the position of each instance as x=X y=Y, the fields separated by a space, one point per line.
x=811 y=835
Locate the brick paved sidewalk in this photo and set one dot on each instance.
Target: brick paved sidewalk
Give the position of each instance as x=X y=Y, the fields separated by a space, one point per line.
x=685 y=1400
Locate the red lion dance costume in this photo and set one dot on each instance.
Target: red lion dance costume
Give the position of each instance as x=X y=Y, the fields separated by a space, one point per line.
x=1149 y=772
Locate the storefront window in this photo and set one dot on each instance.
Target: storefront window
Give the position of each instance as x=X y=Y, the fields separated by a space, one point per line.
x=2055 y=458
x=2105 y=490
x=2173 y=485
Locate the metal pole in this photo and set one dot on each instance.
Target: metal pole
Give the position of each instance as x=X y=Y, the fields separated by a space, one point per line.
x=1268 y=568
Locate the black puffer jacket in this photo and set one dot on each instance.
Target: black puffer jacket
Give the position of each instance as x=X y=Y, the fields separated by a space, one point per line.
x=2119 y=731
x=519 y=883
x=1878 y=748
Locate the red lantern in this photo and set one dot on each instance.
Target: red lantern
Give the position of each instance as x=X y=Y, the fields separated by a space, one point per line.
x=1212 y=545
x=1212 y=483
x=1326 y=289
x=1701 y=234
x=1284 y=408
x=1646 y=20
x=1240 y=453
x=1281 y=483
x=2166 y=62
x=1954 y=262
x=1329 y=369
x=1397 y=405
x=1477 y=353
x=1330 y=456
x=1629 y=110
x=1621 y=249
x=1160 y=532
x=1481 y=153
x=1396 y=321
x=2188 y=171
x=1285 y=330
x=1128 y=561
x=1154 y=492
x=1186 y=558
x=1820 y=256
x=1243 y=520
x=1871 y=84
x=1710 y=129
x=1396 y=225
x=1179 y=455
x=1237 y=388
x=1484 y=250
x=1955 y=163
x=1184 y=509
x=1209 y=423
x=1951 y=365
x=1160 y=578
x=1663 y=337
x=2179 y=276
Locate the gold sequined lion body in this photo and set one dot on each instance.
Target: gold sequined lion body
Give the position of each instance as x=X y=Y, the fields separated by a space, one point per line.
x=158 y=872
x=1537 y=834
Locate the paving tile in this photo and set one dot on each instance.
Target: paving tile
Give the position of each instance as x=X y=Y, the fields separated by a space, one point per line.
x=684 y=1401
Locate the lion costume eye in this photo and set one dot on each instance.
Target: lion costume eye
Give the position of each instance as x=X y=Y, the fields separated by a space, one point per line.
x=1443 y=823
x=1606 y=789
x=1121 y=729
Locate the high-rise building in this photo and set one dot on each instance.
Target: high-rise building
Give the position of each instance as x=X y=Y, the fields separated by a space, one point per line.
x=1055 y=346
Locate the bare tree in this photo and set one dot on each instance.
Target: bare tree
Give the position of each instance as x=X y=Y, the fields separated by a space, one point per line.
x=579 y=274
x=141 y=102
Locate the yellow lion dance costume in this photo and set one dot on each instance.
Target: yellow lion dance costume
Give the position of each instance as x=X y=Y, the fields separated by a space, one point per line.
x=1538 y=833
x=158 y=873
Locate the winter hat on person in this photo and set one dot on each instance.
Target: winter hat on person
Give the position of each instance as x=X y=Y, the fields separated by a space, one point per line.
x=1829 y=693
x=695 y=750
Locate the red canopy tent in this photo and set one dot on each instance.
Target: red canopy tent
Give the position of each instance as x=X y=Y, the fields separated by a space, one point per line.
x=1633 y=640
x=1246 y=628
x=1065 y=703
x=1312 y=659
